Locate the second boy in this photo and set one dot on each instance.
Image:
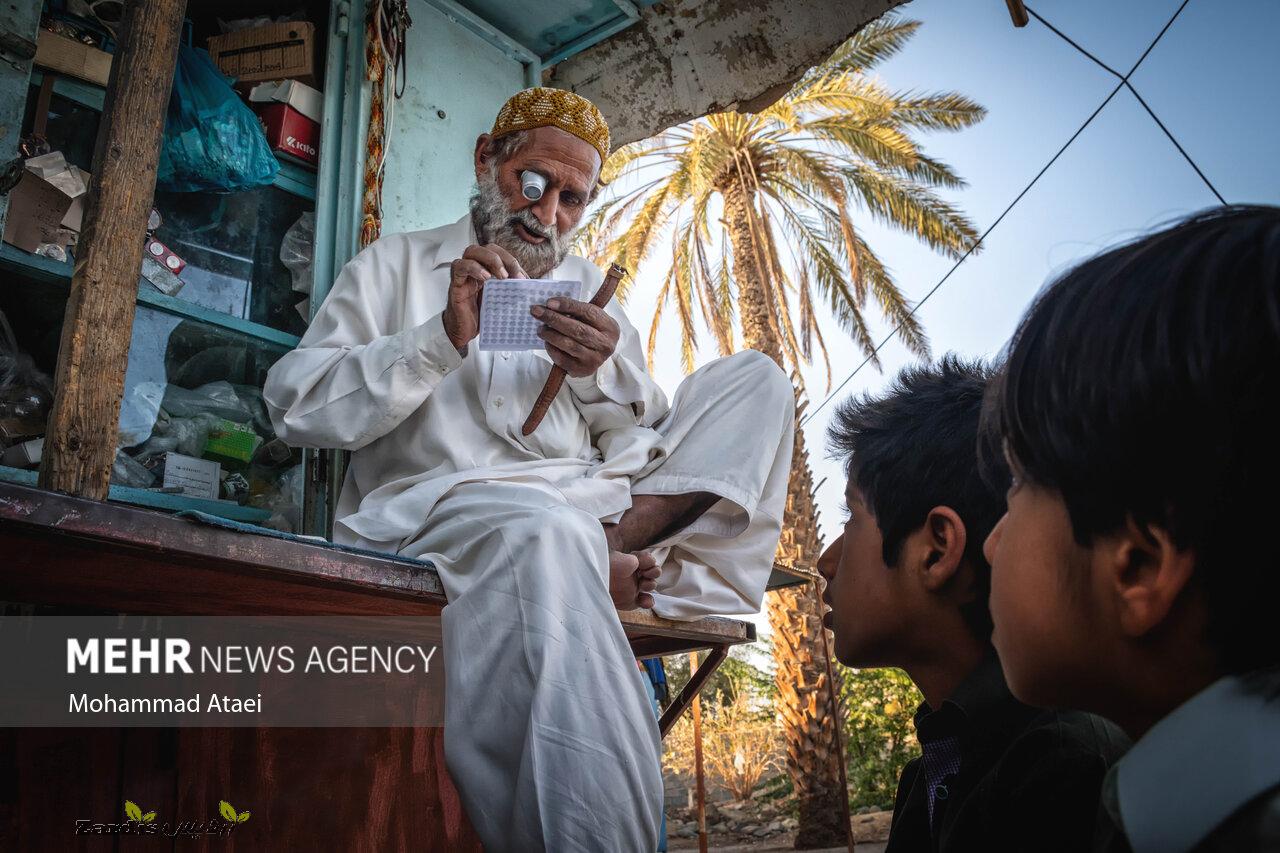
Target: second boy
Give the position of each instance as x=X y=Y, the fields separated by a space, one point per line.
x=908 y=584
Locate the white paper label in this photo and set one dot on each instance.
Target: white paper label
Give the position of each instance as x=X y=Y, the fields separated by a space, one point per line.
x=197 y=477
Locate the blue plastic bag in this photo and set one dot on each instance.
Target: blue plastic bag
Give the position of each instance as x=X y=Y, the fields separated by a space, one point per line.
x=212 y=141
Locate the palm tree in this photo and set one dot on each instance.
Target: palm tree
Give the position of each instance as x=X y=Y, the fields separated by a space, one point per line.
x=761 y=211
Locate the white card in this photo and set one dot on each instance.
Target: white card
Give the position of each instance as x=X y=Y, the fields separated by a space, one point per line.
x=505 y=322
x=198 y=478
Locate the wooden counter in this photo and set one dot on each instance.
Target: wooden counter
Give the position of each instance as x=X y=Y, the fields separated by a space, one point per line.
x=329 y=789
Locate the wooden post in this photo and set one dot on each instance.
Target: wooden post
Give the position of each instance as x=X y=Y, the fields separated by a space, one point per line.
x=1018 y=12
x=697 y=761
x=80 y=440
x=689 y=692
x=838 y=725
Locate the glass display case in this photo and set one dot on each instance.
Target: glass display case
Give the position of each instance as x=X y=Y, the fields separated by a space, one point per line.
x=193 y=430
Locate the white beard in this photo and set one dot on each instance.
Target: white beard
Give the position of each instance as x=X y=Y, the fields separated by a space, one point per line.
x=495 y=221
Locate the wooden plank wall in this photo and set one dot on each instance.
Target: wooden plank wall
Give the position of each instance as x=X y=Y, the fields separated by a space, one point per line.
x=331 y=789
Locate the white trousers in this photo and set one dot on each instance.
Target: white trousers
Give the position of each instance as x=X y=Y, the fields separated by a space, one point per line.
x=549 y=732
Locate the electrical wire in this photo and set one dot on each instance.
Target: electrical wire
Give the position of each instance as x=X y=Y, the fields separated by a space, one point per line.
x=1124 y=83
x=1129 y=85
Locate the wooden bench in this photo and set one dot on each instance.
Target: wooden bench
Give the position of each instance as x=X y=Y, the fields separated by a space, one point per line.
x=374 y=789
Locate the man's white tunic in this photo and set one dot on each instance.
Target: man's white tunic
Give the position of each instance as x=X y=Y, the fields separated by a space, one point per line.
x=549 y=734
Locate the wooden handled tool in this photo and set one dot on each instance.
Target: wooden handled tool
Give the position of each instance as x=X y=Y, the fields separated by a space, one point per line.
x=556 y=378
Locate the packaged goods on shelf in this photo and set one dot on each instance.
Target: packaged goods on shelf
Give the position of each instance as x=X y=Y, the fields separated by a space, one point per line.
x=212 y=140
x=127 y=471
x=71 y=57
x=232 y=444
x=46 y=208
x=198 y=478
x=270 y=52
x=290 y=114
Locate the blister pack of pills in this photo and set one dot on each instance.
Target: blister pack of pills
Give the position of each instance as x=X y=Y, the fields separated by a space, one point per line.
x=505 y=322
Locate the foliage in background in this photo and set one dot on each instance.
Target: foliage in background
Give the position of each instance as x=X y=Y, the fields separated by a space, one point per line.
x=879 y=735
x=741 y=744
x=741 y=736
x=794 y=180
x=743 y=670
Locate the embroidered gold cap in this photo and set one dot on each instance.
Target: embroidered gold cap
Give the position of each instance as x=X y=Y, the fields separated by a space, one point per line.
x=545 y=107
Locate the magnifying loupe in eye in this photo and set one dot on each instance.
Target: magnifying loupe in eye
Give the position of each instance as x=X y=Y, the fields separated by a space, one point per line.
x=532 y=184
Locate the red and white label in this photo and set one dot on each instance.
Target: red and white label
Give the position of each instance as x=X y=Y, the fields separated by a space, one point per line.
x=290 y=131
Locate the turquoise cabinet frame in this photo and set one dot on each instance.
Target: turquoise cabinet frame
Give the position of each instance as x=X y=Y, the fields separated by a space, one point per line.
x=20 y=20
x=470 y=66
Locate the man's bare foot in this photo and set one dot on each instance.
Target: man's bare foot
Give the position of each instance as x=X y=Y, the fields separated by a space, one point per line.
x=632 y=577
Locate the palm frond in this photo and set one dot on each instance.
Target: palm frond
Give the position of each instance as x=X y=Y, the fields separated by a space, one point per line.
x=892 y=301
x=724 y=290
x=938 y=111
x=795 y=179
x=683 y=287
x=827 y=272
x=721 y=326
x=878 y=144
x=634 y=244
x=933 y=173
x=912 y=208
x=659 y=306
x=622 y=159
x=850 y=95
x=780 y=280
x=874 y=43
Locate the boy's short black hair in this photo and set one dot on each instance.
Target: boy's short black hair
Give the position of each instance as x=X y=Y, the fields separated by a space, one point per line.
x=1142 y=384
x=915 y=448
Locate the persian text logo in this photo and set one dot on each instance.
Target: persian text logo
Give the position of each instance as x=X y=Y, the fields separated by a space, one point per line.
x=139 y=823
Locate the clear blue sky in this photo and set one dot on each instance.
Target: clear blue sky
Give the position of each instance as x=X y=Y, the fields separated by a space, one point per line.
x=1213 y=81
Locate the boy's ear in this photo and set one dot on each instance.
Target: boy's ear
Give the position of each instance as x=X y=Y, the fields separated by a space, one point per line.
x=942 y=539
x=1146 y=573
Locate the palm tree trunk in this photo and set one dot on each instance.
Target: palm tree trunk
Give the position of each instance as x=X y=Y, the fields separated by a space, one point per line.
x=795 y=614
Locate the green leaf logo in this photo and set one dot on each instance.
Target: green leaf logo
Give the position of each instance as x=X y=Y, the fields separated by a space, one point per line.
x=132 y=812
x=230 y=814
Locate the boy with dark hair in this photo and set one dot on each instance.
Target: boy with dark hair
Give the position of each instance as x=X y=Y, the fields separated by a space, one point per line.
x=907 y=583
x=1134 y=573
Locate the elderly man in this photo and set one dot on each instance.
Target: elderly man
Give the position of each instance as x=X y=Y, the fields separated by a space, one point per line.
x=618 y=500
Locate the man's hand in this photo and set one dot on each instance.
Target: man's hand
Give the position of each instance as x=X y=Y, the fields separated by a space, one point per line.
x=580 y=337
x=467 y=276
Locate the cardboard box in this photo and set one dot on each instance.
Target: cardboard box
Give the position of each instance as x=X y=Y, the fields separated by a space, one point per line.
x=290 y=114
x=73 y=58
x=270 y=52
x=47 y=205
x=300 y=96
x=290 y=132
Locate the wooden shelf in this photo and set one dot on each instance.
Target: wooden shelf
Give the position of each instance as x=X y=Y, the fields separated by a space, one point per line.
x=154 y=500
x=58 y=273
x=292 y=178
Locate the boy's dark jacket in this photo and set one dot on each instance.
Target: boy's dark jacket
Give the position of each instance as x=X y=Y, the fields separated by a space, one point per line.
x=1029 y=779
